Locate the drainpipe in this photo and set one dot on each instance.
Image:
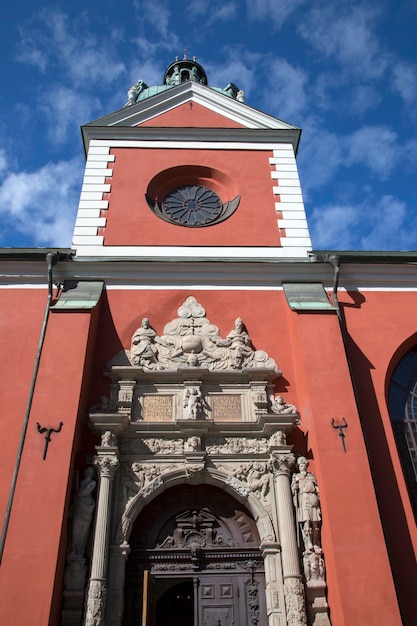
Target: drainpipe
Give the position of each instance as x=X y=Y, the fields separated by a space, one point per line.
x=335 y=262
x=51 y=259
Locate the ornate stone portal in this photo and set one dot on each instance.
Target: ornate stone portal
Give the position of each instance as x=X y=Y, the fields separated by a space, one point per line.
x=192 y=408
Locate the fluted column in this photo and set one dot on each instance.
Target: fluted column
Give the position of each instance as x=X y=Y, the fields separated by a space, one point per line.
x=106 y=462
x=281 y=465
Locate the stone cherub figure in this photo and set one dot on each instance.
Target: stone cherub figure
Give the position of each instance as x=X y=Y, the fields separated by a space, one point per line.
x=278 y=405
x=306 y=501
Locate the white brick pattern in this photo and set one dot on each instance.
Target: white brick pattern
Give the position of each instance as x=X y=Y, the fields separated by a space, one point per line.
x=89 y=216
x=287 y=189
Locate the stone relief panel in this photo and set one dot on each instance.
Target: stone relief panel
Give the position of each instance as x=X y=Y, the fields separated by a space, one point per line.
x=191 y=340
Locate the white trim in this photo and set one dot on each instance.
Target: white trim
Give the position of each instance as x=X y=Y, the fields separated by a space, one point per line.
x=84 y=231
x=103 y=187
x=175 y=145
x=97 y=172
x=98 y=150
x=91 y=195
x=285 y=176
x=88 y=213
x=98 y=222
x=291 y=198
x=94 y=158
x=79 y=240
x=290 y=206
x=174 y=97
x=292 y=223
x=93 y=204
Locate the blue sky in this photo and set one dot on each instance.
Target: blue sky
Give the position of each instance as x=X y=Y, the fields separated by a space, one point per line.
x=345 y=71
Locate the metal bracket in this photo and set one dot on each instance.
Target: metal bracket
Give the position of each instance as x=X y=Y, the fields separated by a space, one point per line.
x=48 y=432
x=341 y=433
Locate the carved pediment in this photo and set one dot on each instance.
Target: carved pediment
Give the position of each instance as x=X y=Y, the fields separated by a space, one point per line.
x=191 y=340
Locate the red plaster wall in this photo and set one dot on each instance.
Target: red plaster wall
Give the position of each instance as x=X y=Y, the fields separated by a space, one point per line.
x=131 y=222
x=191 y=115
x=309 y=350
x=36 y=538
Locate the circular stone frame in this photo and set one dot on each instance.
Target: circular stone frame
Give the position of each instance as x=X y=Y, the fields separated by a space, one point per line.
x=191 y=196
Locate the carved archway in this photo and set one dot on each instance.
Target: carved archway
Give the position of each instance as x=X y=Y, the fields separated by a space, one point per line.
x=201 y=535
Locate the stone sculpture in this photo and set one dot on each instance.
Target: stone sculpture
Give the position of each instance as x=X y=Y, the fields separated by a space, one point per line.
x=306 y=501
x=192 y=341
x=82 y=513
x=278 y=405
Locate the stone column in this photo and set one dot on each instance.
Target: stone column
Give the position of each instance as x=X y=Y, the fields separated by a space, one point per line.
x=281 y=465
x=106 y=462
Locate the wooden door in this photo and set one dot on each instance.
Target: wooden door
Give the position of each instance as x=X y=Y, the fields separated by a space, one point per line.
x=221 y=601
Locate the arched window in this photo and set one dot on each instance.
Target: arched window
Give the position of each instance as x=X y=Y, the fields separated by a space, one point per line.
x=402 y=404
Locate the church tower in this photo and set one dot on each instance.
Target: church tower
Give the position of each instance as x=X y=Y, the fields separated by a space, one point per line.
x=217 y=464
x=186 y=171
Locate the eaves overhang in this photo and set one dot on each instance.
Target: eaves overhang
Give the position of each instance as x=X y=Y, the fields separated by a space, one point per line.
x=365 y=257
x=143 y=111
x=236 y=137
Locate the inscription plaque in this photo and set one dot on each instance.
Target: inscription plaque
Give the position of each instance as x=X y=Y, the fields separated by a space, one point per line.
x=157 y=408
x=227 y=407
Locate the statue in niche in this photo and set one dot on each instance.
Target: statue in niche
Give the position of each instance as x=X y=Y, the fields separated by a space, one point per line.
x=306 y=501
x=192 y=403
x=82 y=513
x=144 y=350
x=278 y=405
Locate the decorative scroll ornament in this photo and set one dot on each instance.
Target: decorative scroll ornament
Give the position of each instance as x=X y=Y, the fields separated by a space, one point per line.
x=192 y=341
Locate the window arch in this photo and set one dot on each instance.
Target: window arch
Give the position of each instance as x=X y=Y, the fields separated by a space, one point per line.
x=402 y=404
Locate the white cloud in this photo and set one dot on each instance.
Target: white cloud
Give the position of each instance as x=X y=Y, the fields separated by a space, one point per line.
x=275 y=12
x=344 y=32
x=286 y=95
x=332 y=227
x=237 y=66
x=42 y=204
x=52 y=39
x=382 y=223
x=404 y=81
x=65 y=110
x=375 y=147
x=3 y=160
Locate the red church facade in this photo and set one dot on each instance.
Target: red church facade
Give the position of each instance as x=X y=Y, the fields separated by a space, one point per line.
x=237 y=394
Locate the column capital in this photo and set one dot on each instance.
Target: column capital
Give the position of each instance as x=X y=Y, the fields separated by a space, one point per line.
x=106 y=462
x=282 y=463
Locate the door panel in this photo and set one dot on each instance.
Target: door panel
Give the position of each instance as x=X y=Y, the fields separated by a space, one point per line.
x=220 y=601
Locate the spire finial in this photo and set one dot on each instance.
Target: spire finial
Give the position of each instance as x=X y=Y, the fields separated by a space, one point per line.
x=185 y=54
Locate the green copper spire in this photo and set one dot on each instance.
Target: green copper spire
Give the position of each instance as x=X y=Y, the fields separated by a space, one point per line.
x=180 y=71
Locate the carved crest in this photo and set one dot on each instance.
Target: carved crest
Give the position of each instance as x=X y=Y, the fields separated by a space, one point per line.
x=191 y=340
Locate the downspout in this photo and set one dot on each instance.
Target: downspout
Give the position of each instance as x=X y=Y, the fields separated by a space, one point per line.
x=334 y=260
x=51 y=259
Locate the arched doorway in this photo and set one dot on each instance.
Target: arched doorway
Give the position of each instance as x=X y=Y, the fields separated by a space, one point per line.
x=195 y=561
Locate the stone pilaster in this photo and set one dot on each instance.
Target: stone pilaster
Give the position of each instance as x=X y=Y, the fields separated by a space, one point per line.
x=281 y=465
x=106 y=462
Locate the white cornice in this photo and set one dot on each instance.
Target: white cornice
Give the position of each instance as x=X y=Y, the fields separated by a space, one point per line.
x=209 y=275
